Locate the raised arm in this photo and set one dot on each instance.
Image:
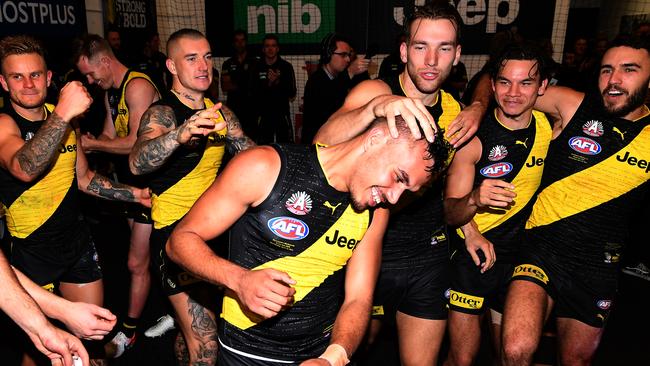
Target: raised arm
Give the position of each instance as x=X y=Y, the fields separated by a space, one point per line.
x=160 y=135
x=245 y=182
x=27 y=160
x=367 y=101
x=360 y=277
x=236 y=140
x=139 y=95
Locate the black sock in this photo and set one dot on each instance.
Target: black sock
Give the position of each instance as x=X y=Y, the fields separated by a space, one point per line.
x=129 y=325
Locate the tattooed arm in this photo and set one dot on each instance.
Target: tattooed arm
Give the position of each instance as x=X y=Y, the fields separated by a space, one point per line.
x=97 y=185
x=158 y=136
x=27 y=160
x=236 y=140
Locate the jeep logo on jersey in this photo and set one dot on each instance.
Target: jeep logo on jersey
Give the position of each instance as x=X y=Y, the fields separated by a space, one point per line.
x=496 y=170
x=593 y=128
x=497 y=153
x=604 y=304
x=299 y=203
x=585 y=145
x=288 y=228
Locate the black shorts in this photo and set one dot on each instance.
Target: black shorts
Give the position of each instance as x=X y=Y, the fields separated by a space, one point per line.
x=587 y=301
x=174 y=279
x=138 y=213
x=473 y=292
x=48 y=265
x=228 y=357
x=420 y=291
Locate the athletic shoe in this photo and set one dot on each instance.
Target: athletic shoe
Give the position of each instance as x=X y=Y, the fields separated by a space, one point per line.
x=121 y=343
x=163 y=325
x=640 y=270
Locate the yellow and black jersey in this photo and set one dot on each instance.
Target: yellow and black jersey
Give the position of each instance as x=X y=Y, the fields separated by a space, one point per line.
x=45 y=210
x=597 y=174
x=416 y=233
x=309 y=230
x=517 y=157
x=188 y=172
x=117 y=102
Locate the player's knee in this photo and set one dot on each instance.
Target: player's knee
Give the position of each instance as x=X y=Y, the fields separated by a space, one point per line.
x=138 y=265
x=456 y=358
x=517 y=350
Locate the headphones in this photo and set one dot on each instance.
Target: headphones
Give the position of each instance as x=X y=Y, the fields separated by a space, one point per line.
x=328 y=47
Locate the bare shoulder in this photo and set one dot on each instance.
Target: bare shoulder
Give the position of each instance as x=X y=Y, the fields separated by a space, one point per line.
x=8 y=126
x=260 y=162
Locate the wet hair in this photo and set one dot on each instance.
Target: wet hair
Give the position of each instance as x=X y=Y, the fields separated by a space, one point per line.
x=526 y=51
x=636 y=42
x=183 y=33
x=90 y=45
x=20 y=45
x=439 y=150
x=434 y=10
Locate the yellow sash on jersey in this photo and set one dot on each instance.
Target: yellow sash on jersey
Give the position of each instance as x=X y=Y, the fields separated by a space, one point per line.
x=593 y=186
x=176 y=201
x=37 y=204
x=122 y=121
x=309 y=268
x=526 y=182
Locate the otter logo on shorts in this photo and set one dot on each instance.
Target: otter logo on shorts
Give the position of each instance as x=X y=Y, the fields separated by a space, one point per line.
x=529 y=270
x=466 y=301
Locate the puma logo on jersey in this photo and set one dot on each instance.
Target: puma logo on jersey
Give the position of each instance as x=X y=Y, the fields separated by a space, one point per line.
x=622 y=134
x=329 y=205
x=525 y=142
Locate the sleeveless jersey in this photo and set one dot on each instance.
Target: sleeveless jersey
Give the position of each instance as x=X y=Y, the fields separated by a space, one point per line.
x=45 y=210
x=308 y=229
x=517 y=157
x=188 y=172
x=117 y=102
x=600 y=169
x=417 y=230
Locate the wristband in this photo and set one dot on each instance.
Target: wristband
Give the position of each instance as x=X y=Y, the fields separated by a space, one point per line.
x=336 y=355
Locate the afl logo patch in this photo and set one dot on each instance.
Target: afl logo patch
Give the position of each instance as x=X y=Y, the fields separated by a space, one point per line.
x=497 y=153
x=604 y=304
x=593 y=128
x=288 y=228
x=496 y=170
x=585 y=145
x=299 y=203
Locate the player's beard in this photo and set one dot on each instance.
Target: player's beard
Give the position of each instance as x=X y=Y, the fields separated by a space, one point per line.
x=633 y=101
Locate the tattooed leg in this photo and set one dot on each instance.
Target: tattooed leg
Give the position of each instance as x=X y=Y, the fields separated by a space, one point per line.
x=181 y=351
x=199 y=329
